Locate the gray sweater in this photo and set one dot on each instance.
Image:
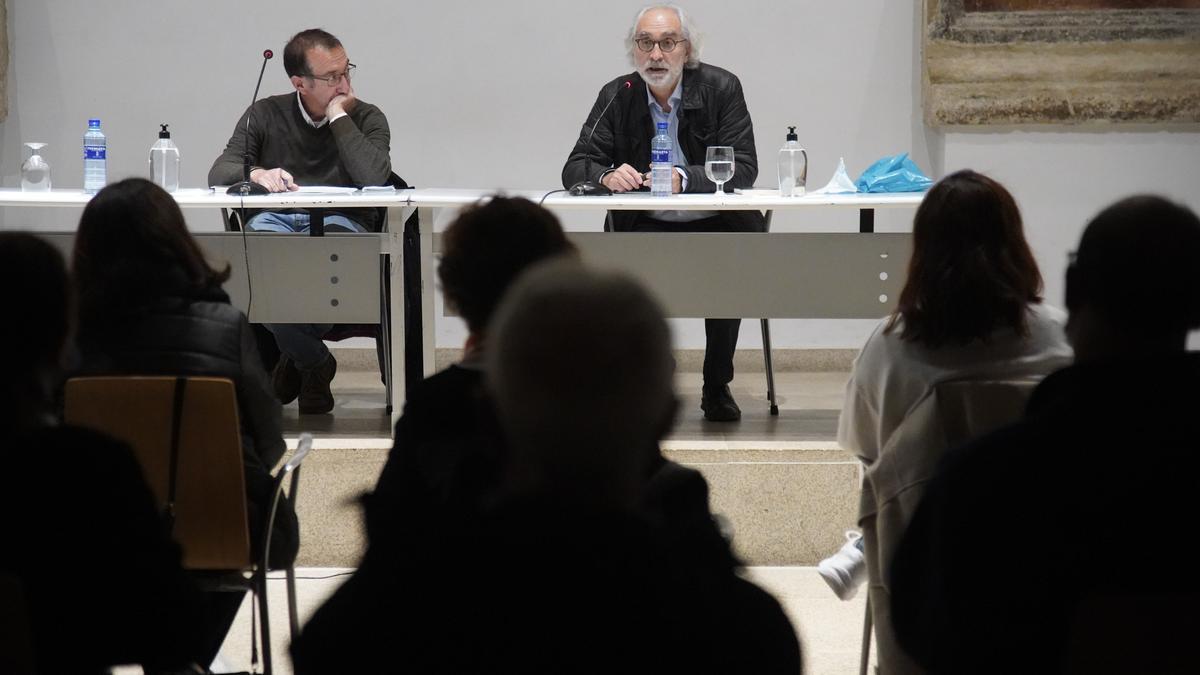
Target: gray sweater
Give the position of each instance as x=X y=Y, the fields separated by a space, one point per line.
x=351 y=151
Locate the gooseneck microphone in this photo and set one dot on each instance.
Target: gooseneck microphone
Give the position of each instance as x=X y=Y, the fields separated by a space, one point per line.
x=594 y=188
x=246 y=187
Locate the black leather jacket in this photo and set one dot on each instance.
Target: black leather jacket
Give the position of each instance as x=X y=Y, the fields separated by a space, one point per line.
x=713 y=112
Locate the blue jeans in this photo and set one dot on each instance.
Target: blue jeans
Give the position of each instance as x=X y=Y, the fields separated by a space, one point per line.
x=269 y=221
x=301 y=342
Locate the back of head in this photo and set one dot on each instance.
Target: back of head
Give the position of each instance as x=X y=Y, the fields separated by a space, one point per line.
x=132 y=247
x=971 y=271
x=580 y=370
x=1136 y=268
x=37 y=330
x=488 y=246
x=295 y=52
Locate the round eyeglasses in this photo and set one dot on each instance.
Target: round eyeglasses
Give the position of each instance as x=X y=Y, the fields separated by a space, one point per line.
x=335 y=80
x=667 y=45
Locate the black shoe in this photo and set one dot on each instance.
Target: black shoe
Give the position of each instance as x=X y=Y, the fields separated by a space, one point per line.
x=285 y=380
x=315 y=396
x=718 y=405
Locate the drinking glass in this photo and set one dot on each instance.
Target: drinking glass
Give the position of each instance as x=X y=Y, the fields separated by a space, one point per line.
x=718 y=165
x=35 y=172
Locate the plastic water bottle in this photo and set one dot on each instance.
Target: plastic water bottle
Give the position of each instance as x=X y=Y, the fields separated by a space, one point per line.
x=95 y=158
x=164 y=161
x=793 y=167
x=661 y=167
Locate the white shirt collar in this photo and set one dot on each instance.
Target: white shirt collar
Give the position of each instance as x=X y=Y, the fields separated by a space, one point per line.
x=307 y=118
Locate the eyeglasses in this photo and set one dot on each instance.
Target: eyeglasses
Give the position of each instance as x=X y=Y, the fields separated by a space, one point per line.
x=334 y=80
x=667 y=45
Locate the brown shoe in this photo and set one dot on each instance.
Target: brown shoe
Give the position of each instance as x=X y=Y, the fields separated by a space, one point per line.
x=285 y=380
x=315 y=397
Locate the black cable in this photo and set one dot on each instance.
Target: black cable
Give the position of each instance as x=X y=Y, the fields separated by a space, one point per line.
x=246 y=256
x=552 y=192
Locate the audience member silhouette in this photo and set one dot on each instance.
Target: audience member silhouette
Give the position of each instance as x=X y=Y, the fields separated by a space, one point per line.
x=445 y=455
x=1048 y=546
x=149 y=304
x=569 y=568
x=971 y=307
x=100 y=576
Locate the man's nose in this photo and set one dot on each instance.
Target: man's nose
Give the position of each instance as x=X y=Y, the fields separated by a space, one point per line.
x=657 y=49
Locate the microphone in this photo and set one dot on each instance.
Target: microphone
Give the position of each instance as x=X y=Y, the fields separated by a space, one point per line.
x=246 y=187
x=594 y=188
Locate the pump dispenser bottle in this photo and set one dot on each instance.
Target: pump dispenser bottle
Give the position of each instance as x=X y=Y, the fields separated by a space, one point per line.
x=793 y=167
x=164 y=161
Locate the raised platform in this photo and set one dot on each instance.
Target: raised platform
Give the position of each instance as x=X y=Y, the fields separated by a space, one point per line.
x=784 y=485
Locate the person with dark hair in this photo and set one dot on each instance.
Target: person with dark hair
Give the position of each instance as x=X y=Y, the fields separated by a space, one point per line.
x=1018 y=559
x=446 y=456
x=702 y=105
x=150 y=304
x=323 y=135
x=83 y=540
x=970 y=307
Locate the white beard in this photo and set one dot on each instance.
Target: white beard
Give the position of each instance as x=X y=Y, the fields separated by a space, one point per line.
x=671 y=75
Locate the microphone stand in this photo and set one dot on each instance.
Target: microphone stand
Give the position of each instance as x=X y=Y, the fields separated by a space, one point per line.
x=248 y=187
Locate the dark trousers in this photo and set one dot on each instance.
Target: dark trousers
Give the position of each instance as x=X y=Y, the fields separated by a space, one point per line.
x=721 y=335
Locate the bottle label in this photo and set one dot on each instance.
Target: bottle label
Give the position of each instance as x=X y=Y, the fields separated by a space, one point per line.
x=660 y=156
x=90 y=152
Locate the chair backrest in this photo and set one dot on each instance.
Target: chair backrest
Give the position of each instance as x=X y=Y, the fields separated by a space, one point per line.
x=209 y=509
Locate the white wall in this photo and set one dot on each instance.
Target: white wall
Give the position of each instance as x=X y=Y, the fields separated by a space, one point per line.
x=492 y=95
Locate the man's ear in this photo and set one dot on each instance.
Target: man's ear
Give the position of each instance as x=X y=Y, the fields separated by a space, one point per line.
x=298 y=82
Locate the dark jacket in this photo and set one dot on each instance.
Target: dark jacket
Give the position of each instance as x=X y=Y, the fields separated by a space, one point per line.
x=83 y=538
x=713 y=112
x=1034 y=541
x=203 y=336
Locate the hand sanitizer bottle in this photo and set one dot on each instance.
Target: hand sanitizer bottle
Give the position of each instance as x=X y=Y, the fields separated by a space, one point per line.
x=793 y=167
x=164 y=161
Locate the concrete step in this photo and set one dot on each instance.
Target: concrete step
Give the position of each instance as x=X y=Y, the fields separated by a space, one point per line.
x=788 y=502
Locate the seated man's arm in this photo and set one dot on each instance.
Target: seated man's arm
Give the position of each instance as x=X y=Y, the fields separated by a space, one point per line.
x=589 y=161
x=734 y=128
x=227 y=169
x=365 y=148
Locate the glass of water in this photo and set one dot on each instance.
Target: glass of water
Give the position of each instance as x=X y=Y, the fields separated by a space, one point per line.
x=35 y=172
x=718 y=165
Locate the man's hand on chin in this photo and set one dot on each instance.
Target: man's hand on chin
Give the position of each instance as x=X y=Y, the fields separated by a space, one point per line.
x=340 y=105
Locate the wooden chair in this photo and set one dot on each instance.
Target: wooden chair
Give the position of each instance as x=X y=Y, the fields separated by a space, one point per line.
x=186 y=436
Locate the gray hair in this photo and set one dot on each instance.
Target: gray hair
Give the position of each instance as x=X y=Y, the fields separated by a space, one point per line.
x=690 y=33
x=579 y=366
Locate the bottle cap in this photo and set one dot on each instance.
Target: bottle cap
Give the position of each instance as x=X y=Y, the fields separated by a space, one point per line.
x=662 y=126
x=164 y=133
x=792 y=134
x=93 y=124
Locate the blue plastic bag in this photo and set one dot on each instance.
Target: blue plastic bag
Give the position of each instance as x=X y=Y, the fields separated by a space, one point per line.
x=893 y=174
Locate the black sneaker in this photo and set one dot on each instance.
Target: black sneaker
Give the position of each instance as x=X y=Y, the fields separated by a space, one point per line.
x=285 y=380
x=718 y=405
x=315 y=396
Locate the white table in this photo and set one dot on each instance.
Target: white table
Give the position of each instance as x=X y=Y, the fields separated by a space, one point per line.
x=335 y=278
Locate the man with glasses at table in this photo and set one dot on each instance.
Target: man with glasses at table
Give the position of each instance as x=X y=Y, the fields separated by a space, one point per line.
x=323 y=135
x=703 y=105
